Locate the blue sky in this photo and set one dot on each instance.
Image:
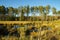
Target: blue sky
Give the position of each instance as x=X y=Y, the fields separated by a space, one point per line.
x=17 y=3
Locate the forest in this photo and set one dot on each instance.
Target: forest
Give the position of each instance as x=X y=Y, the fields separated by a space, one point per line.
x=27 y=13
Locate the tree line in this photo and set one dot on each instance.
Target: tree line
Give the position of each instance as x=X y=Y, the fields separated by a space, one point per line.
x=22 y=13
